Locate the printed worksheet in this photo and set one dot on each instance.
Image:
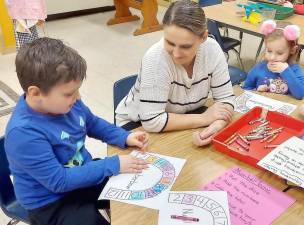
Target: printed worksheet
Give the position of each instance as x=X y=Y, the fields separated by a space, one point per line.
x=287 y=161
x=251 y=200
x=249 y=100
x=149 y=188
x=195 y=207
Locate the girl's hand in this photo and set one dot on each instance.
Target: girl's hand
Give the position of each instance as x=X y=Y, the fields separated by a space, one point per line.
x=138 y=139
x=262 y=88
x=277 y=67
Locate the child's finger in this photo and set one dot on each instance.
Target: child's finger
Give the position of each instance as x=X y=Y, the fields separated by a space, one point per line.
x=146 y=137
x=133 y=170
x=138 y=168
x=145 y=147
x=141 y=162
x=136 y=161
x=139 y=165
x=138 y=143
x=141 y=137
x=146 y=140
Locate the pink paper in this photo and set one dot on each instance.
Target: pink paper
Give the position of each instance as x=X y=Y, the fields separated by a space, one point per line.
x=251 y=201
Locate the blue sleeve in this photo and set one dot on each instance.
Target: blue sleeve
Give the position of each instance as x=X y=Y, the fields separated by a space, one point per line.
x=30 y=151
x=251 y=80
x=294 y=77
x=101 y=129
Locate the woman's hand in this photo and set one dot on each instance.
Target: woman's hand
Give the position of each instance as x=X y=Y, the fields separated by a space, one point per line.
x=218 y=111
x=138 y=139
x=205 y=137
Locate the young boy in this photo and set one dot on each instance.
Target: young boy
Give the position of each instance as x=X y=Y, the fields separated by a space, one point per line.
x=55 y=178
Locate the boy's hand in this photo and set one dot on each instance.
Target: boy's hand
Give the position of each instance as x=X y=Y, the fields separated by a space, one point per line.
x=138 y=139
x=131 y=164
x=277 y=67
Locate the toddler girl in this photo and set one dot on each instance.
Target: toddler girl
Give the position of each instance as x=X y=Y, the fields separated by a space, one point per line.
x=278 y=72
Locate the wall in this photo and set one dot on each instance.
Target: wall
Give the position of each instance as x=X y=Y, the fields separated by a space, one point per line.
x=60 y=6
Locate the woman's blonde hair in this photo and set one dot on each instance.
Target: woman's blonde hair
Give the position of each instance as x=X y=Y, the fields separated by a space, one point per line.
x=186 y=14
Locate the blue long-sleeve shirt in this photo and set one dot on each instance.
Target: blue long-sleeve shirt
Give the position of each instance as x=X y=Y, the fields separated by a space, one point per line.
x=47 y=155
x=293 y=78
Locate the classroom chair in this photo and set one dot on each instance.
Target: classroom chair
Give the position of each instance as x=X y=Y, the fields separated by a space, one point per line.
x=204 y=3
x=148 y=10
x=8 y=201
x=120 y=89
x=226 y=43
x=236 y=75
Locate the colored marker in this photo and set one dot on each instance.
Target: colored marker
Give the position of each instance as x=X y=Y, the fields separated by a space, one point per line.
x=271 y=146
x=184 y=218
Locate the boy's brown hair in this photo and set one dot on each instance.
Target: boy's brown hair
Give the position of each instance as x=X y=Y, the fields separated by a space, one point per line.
x=47 y=62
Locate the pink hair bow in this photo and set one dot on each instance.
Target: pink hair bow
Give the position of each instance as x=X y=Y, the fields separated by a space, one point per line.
x=291 y=32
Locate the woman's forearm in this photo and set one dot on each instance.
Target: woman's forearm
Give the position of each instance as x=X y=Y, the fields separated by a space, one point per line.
x=218 y=125
x=185 y=121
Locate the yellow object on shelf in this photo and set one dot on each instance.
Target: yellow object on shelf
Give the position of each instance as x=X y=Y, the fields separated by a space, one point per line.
x=7 y=39
x=253 y=18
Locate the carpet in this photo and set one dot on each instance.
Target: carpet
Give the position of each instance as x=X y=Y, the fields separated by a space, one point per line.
x=8 y=99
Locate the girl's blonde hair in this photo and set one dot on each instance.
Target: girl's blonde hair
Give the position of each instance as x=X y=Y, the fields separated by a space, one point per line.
x=279 y=33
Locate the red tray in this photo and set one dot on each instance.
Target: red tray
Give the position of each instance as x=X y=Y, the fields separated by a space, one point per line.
x=292 y=127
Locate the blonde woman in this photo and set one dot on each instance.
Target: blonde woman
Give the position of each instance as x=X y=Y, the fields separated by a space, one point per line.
x=176 y=76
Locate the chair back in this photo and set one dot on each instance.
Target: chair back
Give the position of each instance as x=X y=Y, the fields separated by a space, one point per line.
x=7 y=194
x=121 y=88
x=8 y=201
x=214 y=30
x=204 y=3
x=236 y=75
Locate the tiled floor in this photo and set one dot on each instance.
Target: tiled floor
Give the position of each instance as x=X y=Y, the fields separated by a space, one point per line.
x=111 y=53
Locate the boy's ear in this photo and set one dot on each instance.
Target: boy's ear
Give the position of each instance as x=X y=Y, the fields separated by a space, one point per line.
x=33 y=91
